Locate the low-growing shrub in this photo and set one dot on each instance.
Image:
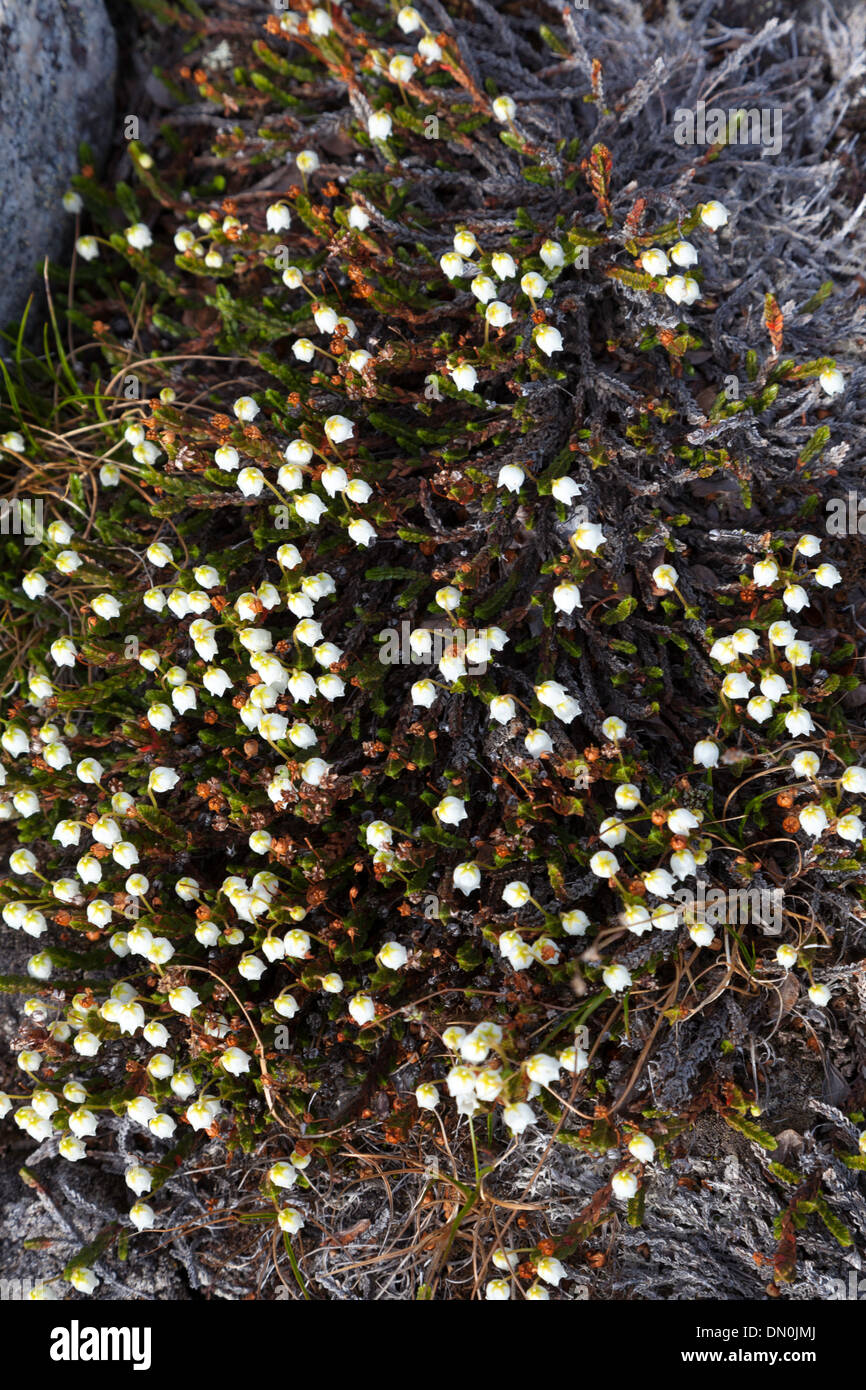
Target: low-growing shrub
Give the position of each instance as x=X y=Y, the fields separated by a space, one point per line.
x=432 y=693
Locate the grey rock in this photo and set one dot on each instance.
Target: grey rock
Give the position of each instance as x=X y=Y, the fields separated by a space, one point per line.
x=57 y=68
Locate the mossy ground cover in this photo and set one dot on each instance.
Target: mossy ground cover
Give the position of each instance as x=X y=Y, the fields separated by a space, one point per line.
x=431 y=703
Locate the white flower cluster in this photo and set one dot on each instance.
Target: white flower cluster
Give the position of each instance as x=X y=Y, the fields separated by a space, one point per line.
x=738 y=650
x=459 y=654
x=490 y=276
x=548 y=1270
x=478 y=1079
x=681 y=287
